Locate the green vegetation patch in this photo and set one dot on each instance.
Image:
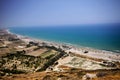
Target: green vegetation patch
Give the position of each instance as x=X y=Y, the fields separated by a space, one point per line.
x=48 y=54
x=20 y=63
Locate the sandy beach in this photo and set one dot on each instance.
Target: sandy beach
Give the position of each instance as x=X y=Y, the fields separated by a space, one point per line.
x=92 y=53
x=85 y=52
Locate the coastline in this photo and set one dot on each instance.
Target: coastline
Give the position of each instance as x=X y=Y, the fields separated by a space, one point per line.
x=78 y=50
x=103 y=39
x=31 y=55
x=65 y=43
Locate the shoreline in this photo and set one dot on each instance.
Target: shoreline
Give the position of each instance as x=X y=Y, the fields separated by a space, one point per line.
x=64 y=43
x=79 y=50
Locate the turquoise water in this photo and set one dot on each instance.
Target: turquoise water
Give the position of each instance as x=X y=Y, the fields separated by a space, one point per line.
x=106 y=37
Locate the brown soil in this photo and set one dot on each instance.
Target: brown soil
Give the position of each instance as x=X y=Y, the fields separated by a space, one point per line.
x=108 y=75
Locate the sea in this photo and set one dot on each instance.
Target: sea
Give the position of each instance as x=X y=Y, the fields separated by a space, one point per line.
x=98 y=36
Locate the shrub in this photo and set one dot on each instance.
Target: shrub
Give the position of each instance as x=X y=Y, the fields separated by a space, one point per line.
x=101 y=74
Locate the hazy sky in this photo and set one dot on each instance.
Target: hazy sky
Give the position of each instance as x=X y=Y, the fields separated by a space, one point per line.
x=58 y=12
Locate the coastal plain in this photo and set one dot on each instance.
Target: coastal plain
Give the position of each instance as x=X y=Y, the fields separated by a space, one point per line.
x=23 y=58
